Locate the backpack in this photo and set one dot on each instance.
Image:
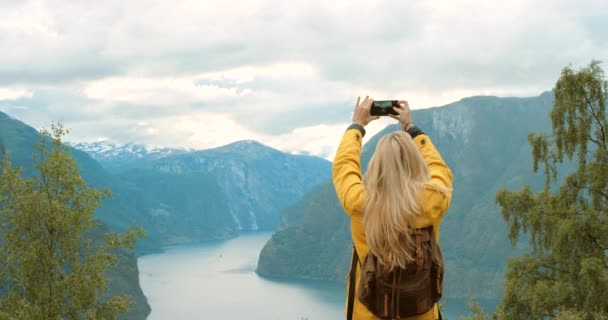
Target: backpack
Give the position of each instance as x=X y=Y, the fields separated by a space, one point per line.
x=402 y=292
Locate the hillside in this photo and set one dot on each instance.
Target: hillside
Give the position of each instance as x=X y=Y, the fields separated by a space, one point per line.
x=182 y=208
x=484 y=141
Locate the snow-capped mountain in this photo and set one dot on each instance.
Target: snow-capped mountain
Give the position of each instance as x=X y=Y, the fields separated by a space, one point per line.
x=254 y=182
x=118 y=157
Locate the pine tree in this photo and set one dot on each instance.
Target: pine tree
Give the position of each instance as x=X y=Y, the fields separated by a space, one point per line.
x=565 y=275
x=53 y=256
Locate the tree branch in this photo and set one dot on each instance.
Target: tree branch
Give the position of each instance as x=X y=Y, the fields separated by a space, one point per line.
x=597 y=119
x=574 y=184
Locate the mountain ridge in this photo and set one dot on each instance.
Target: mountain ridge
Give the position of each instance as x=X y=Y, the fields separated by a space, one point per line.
x=241 y=168
x=120 y=157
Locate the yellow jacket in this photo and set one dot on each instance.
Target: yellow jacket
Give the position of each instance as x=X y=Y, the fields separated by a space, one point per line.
x=347 y=178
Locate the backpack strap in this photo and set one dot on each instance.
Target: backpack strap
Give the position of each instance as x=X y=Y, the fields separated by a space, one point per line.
x=419 y=253
x=351 y=284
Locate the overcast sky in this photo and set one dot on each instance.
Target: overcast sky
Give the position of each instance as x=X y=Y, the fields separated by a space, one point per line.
x=201 y=74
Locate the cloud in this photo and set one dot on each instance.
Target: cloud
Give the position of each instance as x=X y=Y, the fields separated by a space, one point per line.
x=157 y=91
x=277 y=71
x=14 y=93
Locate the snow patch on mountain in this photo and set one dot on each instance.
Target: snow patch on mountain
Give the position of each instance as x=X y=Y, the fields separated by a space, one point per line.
x=108 y=151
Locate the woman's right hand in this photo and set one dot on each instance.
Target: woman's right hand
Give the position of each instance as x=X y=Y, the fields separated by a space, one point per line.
x=361 y=115
x=405 y=115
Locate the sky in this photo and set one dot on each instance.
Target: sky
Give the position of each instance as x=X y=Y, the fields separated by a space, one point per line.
x=201 y=74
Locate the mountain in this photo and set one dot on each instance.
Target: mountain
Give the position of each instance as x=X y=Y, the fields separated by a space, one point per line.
x=120 y=157
x=484 y=141
x=188 y=197
x=257 y=181
x=17 y=140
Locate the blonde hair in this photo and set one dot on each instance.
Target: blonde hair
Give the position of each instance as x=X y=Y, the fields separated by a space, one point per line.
x=395 y=180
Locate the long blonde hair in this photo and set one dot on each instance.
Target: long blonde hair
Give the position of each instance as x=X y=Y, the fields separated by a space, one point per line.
x=395 y=180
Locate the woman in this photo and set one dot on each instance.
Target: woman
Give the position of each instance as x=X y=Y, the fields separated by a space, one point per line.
x=407 y=185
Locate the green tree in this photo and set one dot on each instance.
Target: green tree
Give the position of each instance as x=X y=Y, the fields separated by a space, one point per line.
x=565 y=275
x=53 y=256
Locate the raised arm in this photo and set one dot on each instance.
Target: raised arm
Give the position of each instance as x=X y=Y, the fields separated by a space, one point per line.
x=346 y=170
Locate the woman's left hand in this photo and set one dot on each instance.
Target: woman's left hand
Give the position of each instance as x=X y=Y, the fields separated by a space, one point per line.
x=361 y=115
x=405 y=115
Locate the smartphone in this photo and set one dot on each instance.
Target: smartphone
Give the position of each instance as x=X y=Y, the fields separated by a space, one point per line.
x=384 y=107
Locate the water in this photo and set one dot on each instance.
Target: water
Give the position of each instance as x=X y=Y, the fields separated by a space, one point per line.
x=217 y=280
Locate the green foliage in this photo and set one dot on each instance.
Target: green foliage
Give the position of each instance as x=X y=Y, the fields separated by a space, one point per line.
x=577 y=315
x=53 y=262
x=565 y=276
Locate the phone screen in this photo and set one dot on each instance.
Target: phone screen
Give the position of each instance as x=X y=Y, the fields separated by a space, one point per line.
x=383 y=107
x=384 y=104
